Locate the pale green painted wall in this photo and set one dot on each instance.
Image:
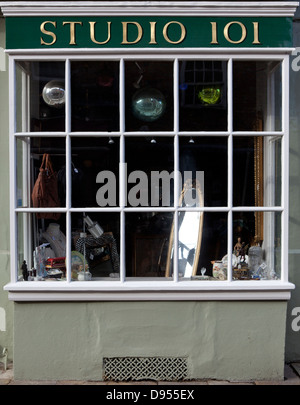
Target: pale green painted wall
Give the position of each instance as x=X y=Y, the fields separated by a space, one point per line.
x=222 y=340
x=292 y=336
x=6 y=307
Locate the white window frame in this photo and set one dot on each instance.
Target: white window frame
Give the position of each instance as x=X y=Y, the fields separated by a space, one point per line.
x=151 y=289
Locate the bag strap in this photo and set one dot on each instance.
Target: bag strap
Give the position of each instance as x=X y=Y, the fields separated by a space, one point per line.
x=43 y=161
x=46 y=163
x=49 y=164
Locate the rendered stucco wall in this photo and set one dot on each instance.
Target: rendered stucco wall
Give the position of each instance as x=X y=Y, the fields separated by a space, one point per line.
x=222 y=340
x=6 y=307
x=293 y=312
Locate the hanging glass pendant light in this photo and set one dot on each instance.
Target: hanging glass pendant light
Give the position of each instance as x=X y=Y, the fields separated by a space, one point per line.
x=210 y=95
x=148 y=104
x=54 y=93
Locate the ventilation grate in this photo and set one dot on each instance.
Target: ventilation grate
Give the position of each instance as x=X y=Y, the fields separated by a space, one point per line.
x=145 y=368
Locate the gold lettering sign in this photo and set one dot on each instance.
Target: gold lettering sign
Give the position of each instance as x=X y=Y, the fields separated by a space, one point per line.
x=214 y=35
x=256 y=38
x=72 y=30
x=125 y=28
x=226 y=32
x=152 y=33
x=50 y=33
x=165 y=32
x=137 y=32
x=92 y=33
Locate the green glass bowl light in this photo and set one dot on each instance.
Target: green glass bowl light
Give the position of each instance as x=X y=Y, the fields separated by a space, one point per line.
x=210 y=95
x=148 y=104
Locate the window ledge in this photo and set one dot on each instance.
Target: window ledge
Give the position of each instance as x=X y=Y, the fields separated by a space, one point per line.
x=149 y=291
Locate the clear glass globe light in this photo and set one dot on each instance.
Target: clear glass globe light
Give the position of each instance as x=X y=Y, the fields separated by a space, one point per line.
x=148 y=104
x=54 y=93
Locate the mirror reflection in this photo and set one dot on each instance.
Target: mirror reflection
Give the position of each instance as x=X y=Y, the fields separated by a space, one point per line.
x=190 y=226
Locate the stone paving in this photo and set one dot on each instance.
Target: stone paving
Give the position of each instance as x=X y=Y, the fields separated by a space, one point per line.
x=292 y=377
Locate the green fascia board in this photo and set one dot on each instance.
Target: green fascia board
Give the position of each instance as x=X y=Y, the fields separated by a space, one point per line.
x=147 y=32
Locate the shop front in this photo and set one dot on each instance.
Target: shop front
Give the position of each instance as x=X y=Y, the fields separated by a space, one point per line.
x=149 y=185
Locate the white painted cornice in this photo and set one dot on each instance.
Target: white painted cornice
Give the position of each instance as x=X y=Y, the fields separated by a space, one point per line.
x=168 y=8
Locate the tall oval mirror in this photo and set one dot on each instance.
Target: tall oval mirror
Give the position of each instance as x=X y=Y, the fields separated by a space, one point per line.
x=190 y=227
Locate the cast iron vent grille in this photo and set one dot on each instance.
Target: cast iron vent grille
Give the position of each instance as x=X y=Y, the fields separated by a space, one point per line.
x=145 y=368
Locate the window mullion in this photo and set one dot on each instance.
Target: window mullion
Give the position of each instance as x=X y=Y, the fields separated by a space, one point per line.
x=13 y=174
x=68 y=206
x=230 y=168
x=68 y=96
x=176 y=195
x=176 y=168
x=68 y=167
x=285 y=168
x=122 y=172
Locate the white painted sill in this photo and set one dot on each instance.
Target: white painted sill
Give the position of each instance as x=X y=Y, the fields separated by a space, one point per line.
x=150 y=291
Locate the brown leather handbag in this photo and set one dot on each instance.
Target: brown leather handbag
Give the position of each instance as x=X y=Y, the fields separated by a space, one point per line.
x=45 y=190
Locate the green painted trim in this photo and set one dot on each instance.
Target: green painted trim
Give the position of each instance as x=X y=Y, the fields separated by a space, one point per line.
x=167 y=32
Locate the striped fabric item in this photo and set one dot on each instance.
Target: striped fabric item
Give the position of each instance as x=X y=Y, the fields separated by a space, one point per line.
x=92 y=243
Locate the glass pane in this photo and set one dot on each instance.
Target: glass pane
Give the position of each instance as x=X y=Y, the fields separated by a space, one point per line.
x=202 y=242
x=95 y=246
x=22 y=91
x=24 y=256
x=257 y=96
x=150 y=171
x=206 y=159
x=149 y=96
x=95 y=96
x=48 y=154
x=40 y=166
x=203 y=95
x=95 y=171
x=257 y=245
x=147 y=242
x=213 y=246
x=23 y=191
x=190 y=230
x=40 y=96
x=42 y=245
x=257 y=171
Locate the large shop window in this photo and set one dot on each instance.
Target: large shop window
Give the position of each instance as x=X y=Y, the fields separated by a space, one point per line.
x=137 y=169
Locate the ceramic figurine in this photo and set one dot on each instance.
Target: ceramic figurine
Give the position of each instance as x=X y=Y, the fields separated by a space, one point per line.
x=237 y=247
x=24 y=270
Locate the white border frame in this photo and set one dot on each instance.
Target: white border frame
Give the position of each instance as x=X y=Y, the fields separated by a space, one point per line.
x=147 y=289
